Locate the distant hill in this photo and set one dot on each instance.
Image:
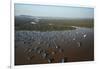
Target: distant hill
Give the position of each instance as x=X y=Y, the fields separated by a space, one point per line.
x=38 y=19
x=25 y=19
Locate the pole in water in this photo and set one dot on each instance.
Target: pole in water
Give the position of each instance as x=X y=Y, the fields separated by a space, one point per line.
x=79 y=44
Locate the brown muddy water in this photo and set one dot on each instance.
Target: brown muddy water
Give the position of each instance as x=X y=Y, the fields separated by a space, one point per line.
x=41 y=47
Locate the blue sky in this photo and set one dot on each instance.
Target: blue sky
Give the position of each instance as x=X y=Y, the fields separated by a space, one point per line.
x=53 y=11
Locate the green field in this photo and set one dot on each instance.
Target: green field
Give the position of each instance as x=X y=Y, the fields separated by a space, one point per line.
x=53 y=24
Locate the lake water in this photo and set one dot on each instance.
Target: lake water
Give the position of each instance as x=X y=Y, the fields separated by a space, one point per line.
x=36 y=47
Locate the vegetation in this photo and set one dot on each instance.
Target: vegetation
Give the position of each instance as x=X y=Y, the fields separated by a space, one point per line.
x=52 y=24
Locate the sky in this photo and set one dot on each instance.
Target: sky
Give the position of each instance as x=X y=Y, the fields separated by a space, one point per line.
x=53 y=11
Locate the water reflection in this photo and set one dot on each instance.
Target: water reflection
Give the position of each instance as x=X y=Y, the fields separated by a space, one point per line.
x=51 y=46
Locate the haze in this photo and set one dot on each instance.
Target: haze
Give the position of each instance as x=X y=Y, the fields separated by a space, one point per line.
x=53 y=11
